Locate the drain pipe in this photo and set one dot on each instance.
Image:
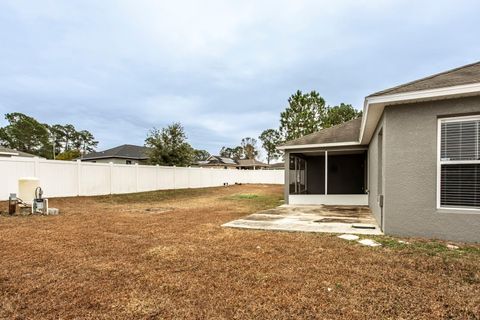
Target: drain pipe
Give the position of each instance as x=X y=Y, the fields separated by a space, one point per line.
x=380 y=203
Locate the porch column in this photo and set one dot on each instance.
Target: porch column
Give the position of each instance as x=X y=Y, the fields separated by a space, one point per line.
x=287 y=176
x=326 y=172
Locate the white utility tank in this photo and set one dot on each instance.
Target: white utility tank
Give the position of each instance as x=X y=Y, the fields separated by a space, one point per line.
x=26 y=188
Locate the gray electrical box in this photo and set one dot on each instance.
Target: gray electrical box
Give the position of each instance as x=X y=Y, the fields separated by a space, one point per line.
x=380 y=200
x=40 y=206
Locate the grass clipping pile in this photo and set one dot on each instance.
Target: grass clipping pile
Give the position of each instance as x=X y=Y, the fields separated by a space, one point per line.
x=164 y=255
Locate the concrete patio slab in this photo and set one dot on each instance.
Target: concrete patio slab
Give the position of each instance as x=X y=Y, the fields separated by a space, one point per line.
x=329 y=219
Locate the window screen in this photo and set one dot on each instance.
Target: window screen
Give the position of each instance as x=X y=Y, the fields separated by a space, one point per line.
x=460 y=140
x=460 y=163
x=460 y=185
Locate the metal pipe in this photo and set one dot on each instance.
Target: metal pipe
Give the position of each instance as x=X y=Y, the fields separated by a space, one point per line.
x=12 y=204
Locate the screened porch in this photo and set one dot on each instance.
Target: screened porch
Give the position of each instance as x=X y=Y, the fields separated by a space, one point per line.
x=331 y=177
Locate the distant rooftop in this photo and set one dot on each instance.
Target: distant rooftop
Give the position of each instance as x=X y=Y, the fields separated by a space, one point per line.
x=7 y=152
x=229 y=162
x=126 y=151
x=251 y=163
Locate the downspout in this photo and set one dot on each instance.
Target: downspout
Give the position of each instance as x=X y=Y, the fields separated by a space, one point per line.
x=287 y=177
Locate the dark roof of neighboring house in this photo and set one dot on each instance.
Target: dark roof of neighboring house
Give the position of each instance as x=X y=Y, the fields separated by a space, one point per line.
x=251 y=163
x=345 y=132
x=126 y=151
x=459 y=76
x=15 y=153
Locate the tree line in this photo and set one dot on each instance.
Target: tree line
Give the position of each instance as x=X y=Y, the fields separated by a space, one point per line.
x=63 y=142
x=169 y=147
x=306 y=113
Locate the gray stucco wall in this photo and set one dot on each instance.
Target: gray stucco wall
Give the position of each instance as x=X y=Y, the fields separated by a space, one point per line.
x=373 y=158
x=410 y=173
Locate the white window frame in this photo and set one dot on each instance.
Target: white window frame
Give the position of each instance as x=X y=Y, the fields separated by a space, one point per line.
x=440 y=162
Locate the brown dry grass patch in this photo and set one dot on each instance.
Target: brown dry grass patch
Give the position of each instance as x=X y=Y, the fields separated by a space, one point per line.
x=163 y=255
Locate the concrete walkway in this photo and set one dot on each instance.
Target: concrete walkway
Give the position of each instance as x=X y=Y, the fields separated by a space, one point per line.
x=331 y=219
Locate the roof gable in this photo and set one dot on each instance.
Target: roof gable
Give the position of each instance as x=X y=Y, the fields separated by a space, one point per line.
x=220 y=160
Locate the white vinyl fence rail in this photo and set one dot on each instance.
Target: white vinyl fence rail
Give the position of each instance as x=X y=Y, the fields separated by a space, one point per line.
x=75 y=178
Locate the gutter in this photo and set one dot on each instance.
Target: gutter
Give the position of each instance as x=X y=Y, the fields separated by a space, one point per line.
x=319 y=145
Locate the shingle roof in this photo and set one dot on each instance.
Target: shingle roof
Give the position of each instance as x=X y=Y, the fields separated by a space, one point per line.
x=251 y=163
x=15 y=153
x=124 y=151
x=345 y=132
x=220 y=160
x=459 y=76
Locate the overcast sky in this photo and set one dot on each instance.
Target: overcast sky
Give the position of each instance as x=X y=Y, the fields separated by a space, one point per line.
x=224 y=69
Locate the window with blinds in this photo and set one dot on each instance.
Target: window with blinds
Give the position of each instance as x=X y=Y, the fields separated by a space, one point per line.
x=460 y=162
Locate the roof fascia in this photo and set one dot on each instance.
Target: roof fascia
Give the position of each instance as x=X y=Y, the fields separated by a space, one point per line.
x=379 y=102
x=319 y=145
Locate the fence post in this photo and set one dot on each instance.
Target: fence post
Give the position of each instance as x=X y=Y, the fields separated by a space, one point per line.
x=211 y=177
x=79 y=177
x=36 y=161
x=174 y=177
x=111 y=177
x=157 y=167
x=136 y=177
x=189 y=172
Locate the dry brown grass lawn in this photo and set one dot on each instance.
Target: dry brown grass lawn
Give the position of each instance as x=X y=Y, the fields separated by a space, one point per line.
x=164 y=255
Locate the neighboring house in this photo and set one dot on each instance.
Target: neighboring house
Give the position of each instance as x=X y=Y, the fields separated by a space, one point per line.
x=229 y=163
x=277 y=166
x=124 y=154
x=414 y=158
x=9 y=153
x=251 y=164
x=218 y=162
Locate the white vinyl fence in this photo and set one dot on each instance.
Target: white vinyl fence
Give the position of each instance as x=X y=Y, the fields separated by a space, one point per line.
x=75 y=178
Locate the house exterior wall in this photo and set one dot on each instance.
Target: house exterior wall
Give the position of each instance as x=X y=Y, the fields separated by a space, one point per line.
x=410 y=173
x=373 y=160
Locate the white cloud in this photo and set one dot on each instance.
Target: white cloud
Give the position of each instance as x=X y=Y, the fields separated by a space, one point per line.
x=223 y=68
